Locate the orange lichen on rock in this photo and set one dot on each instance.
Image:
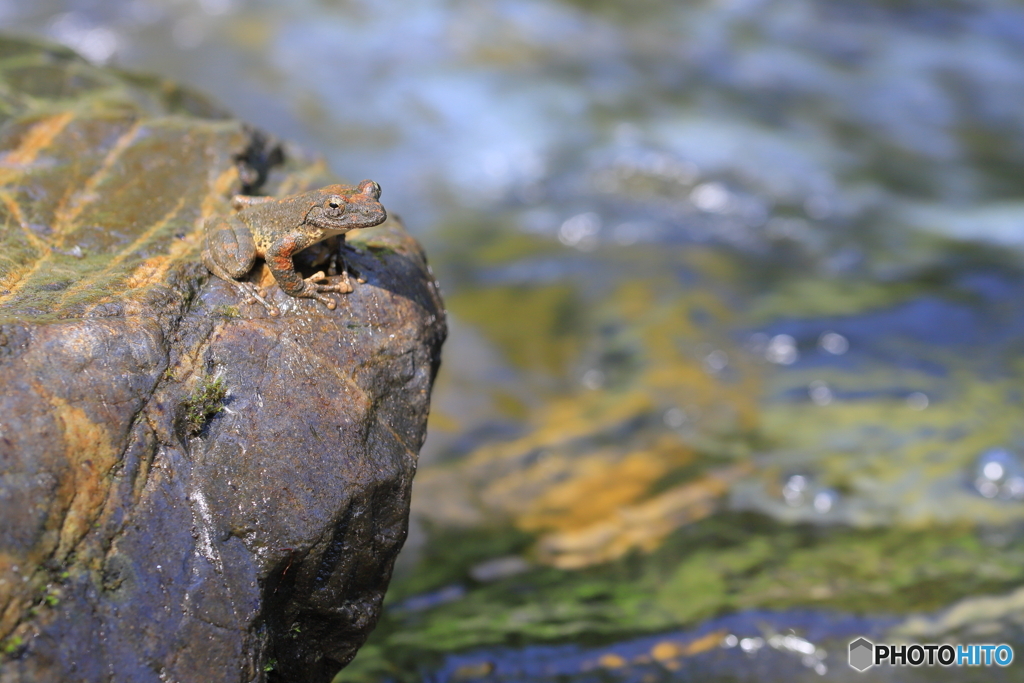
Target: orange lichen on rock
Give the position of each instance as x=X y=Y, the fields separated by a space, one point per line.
x=37 y=138
x=91 y=459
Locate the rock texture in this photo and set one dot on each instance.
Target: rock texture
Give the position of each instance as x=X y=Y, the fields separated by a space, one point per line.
x=190 y=489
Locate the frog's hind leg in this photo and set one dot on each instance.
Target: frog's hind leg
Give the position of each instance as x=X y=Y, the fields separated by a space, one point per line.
x=228 y=266
x=248 y=291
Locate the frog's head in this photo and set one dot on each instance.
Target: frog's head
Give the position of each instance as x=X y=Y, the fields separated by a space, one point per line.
x=337 y=208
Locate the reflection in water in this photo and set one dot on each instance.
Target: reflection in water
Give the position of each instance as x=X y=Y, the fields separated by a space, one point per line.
x=736 y=340
x=999 y=474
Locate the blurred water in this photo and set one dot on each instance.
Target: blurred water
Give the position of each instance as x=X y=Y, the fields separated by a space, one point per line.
x=731 y=257
x=712 y=118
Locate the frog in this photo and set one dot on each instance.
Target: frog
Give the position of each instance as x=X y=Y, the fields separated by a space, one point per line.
x=275 y=229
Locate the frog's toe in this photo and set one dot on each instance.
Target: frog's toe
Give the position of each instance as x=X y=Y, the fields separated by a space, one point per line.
x=327 y=301
x=314 y=287
x=340 y=288
x=251 y=294
x=346 y=284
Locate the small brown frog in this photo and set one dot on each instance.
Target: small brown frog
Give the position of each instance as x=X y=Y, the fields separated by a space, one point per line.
x=275 y=229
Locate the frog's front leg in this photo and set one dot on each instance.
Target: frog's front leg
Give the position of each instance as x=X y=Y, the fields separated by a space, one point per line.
x=229 y=252
x=279 y=260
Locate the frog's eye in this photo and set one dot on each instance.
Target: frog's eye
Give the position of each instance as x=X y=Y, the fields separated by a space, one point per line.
x=335 y=202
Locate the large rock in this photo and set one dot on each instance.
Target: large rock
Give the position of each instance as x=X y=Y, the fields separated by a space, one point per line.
x=190 y=489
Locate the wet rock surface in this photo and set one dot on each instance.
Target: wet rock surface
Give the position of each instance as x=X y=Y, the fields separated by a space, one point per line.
x=190 y=489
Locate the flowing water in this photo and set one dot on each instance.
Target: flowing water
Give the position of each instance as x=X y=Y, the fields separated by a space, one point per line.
x=736 y=350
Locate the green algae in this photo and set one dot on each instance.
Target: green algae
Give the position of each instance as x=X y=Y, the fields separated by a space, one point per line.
x=550 y=341
x=819 y=297
x=729 y=562
x=381 y=253
x=895 y=462
x=11 y=645
x=204 y=401
x=468 y=242
x=451 y=555
x=226 y=311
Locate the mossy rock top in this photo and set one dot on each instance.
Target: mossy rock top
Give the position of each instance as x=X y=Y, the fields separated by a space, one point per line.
x=106 y=179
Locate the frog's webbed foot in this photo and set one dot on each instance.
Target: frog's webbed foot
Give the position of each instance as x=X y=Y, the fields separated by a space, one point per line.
x=313 y=289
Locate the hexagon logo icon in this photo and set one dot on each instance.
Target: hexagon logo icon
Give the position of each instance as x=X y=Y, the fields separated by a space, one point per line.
x=862 y=653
